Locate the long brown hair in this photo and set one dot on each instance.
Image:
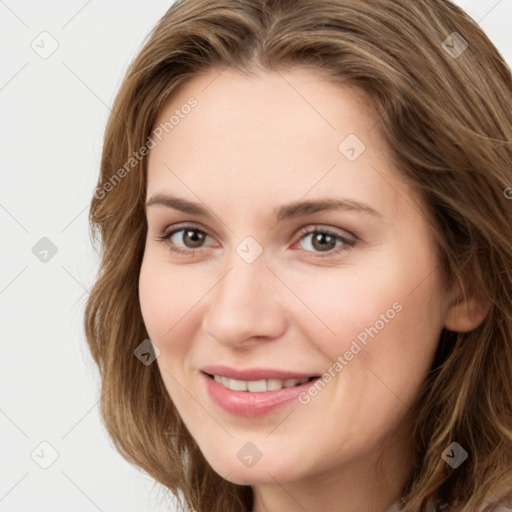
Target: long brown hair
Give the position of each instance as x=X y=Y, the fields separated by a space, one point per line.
x=445 y=111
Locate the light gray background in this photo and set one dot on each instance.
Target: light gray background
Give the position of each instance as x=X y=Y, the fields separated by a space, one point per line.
x=53 y=113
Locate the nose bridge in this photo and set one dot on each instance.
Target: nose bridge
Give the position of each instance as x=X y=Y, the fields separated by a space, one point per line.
x=244 y=303
x=247 y=277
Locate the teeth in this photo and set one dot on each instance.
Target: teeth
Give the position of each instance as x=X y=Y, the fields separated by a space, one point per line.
x=258 y=386
x=252 y=385
x=274 y=384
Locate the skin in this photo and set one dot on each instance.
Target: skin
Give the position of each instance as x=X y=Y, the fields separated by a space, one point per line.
x=293 y=308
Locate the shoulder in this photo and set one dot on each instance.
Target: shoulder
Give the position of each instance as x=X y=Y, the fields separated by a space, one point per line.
x=504 y=504
x=491 y=504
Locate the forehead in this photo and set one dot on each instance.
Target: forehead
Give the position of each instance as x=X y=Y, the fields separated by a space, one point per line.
x=261 y=103
x=292 y=133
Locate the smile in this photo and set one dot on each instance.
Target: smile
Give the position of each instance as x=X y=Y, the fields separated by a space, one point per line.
x=253 y=398
x=259 y=386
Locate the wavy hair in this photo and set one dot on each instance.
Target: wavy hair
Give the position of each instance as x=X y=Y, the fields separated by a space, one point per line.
x=446 y=115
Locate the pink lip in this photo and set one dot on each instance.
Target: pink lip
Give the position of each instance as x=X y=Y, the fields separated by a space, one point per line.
x=251 y=405
x=254 y=373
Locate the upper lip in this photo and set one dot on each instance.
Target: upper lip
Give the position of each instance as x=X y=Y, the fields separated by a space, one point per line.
x=254 y=373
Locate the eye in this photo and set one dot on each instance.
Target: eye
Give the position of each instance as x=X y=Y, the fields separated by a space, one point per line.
x=321 y=240
x=324 y=240
x=191 y=236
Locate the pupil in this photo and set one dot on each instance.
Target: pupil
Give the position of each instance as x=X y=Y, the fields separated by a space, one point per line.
x=320 y=239
x=196 y=239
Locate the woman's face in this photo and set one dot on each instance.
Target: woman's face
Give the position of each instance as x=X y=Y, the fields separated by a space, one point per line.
x=349 y=293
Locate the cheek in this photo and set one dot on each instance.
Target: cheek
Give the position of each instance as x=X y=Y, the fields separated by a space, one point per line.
x=399 y=340
x=164 y=300
x=152 y=299
x=170 y=300
x=386 y=318
x=350 y=304
x=165 y=308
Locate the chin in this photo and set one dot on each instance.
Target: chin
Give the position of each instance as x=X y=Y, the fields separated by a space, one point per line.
x=262 y=472
x=250 y=476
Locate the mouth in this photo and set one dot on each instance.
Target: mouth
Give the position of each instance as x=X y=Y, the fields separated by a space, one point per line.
x=254 y=398
x=260 y=385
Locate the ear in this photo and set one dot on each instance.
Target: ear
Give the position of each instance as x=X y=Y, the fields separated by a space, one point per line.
x=466 y=313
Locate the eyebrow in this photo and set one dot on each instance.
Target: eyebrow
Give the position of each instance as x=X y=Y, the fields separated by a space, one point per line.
x=283 y=212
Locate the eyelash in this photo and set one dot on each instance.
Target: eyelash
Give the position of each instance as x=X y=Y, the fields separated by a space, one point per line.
x=166 y=235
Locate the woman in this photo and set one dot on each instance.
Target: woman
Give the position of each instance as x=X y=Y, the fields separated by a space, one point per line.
x=305 y=292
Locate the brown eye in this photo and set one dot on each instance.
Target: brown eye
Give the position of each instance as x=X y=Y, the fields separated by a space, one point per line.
x=184 y=240
x=323 y=240
x=192 y=238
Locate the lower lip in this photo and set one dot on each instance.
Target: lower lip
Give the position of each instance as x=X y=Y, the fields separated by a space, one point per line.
x=251 y=404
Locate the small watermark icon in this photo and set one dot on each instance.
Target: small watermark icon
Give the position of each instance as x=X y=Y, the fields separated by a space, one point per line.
x=249 y=454
x=351 y=147
x=454 y=45
x=44 y=250
x=45 y=45
x=147 y=352
x=44 y=455
x=454 y=455
x=249 y=249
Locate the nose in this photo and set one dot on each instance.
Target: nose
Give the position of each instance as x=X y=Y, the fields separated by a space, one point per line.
x=244 y=306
